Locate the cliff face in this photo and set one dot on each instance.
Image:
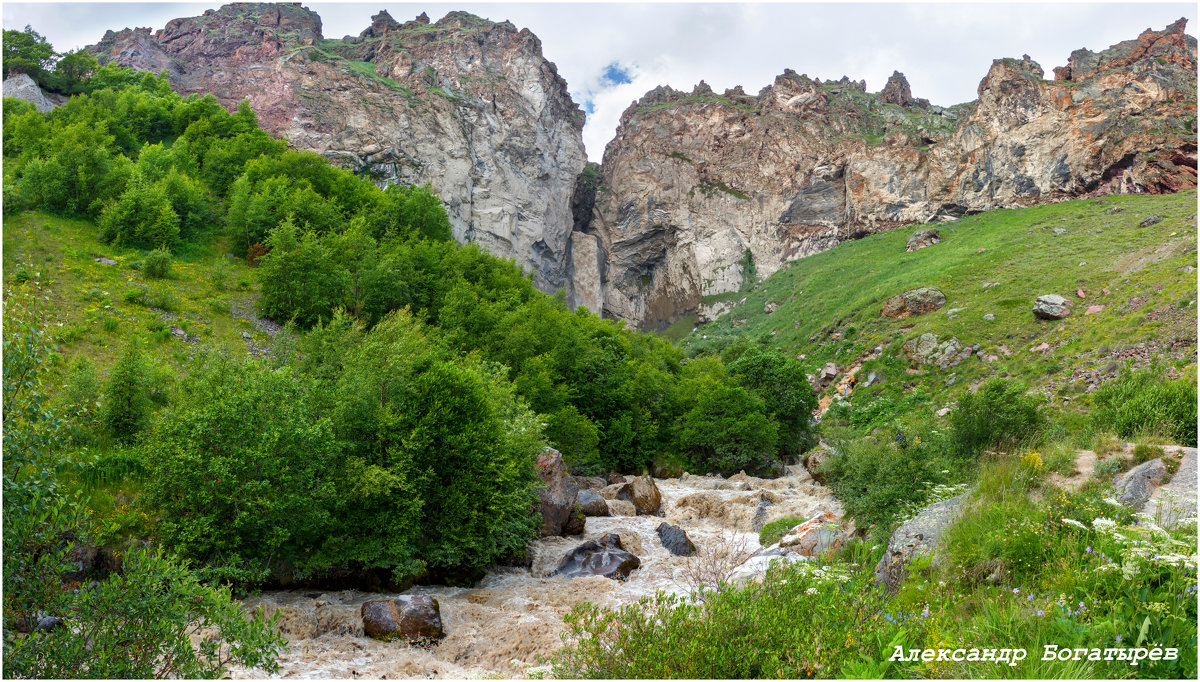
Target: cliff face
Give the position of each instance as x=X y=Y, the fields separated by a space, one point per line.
x=465 y=104
x=700 y=190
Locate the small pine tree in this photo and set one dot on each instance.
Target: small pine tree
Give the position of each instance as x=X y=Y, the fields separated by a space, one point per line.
x=126 y=409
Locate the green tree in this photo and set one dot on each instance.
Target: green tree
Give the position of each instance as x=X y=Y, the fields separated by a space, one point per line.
x=780 y=382
x=27 y=52
x=126 y=409
x=301 y=278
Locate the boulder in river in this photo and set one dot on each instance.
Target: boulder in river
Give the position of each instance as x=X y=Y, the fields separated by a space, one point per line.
x=575 y=521
x=814 y=537
x=556 y=497
x=413 y=618
x=604 y=557
x=643 y=493
x=675 y=539
x=592 y=503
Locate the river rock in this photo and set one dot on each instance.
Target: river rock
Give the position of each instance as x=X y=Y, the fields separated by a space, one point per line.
x=592 y=503
x=604 y=557
x=916 y=538
x=914 y=302
x=813 y=462
x=1051 y=307
x=621 y=508
x=1134 y=488
x=413 y=618
x=576 y=521
x=643 y=493
x=922 y=238
x=814 y=537
x=675 y=539
x=556 y=498
x=589 y=482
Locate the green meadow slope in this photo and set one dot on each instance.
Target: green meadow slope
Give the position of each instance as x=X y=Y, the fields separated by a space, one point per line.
x=827 y=308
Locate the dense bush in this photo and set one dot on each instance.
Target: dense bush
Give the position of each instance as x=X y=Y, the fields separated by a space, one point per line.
x=242 y=471
x=998 y=415
x=1145 y=403
x=780 y=382
x=876 y=479
x=157 y=264
x=775 y=530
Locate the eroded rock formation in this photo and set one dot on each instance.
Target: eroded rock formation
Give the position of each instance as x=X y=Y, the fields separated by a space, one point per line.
x=465 y=104
x=701 y=189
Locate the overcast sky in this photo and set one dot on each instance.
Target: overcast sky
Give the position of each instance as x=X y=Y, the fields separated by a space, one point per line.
x=611 y=54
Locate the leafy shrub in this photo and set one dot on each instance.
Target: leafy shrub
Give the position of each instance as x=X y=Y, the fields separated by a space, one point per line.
x=1083 y=506
x=126 y=409
x=1107 y=469
x=775 y=530
x=779 y=381
x=225 y=476
x=745 y=632
x=157 y=264
x=161 y=297
x=1144 y=453
x=727 y=432
x=1143 y=402
x=134 y=296
x=998 y=415
x=875 y=480
x=110 y=324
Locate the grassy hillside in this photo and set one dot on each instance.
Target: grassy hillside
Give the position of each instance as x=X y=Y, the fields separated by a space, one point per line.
x=829 y=305
x=98 y=307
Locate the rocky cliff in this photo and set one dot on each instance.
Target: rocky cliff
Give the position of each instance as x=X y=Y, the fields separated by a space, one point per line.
x=465 y=104
x=703 y=192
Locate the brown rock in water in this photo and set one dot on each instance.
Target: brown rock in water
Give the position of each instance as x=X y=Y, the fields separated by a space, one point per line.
x=814 y=537
x=556 y=497
x=592 y=503
x=915 y=302
x=413 y=618
x=643 y=493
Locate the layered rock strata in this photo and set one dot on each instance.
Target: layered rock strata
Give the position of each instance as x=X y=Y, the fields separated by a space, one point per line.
x=702 y=193
x=465 y=104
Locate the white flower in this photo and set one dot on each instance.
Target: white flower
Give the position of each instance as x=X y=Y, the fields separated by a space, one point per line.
x=811 y=590
x=1104 y=525
x=1073 y=522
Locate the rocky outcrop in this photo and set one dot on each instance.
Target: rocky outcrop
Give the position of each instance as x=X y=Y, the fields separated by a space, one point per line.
x=21 y=86
x=914 y=539
x=915 y=302
x=414 y=618
x=1134 y=488
x=603 y=557
x=465 y=104
x=815 y=537
x=701 y=188
x=592 y=503
x=927 y=349
x=922 y=238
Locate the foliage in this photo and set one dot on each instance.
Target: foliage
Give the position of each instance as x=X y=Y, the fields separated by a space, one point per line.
x=1143 y=402
x=241 y=471
x=998 y=415
x=131 y=624
x=780 y=382
x=157 y=264
x=875 y=479
x=126 y=409
x=27 y=52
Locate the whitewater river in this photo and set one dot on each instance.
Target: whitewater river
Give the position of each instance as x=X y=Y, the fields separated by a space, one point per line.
x=512 y=619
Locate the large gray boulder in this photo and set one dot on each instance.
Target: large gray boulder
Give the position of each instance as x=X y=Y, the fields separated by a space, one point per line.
x=1174 y=504
x=593 y=503
x=915 y=302
x=1136 y=485
x=413 y=618
x=928 y=349
x=1051 y=307
x=22 y=86
x=556 y=498
x=916 y=538
x=604 y=557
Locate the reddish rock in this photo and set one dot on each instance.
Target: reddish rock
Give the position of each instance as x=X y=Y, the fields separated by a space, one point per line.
x=915 y=302
x=643 y=493
x=556 y=497
x=1092 y=310
x=1080 y=293
x=814 y=537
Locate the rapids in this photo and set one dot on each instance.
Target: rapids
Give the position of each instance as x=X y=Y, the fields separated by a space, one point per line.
x=508 y=623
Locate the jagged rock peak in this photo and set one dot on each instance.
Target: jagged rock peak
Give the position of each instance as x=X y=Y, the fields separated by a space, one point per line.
x=381 y=24
x=1169 y=46
x=897 y=90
